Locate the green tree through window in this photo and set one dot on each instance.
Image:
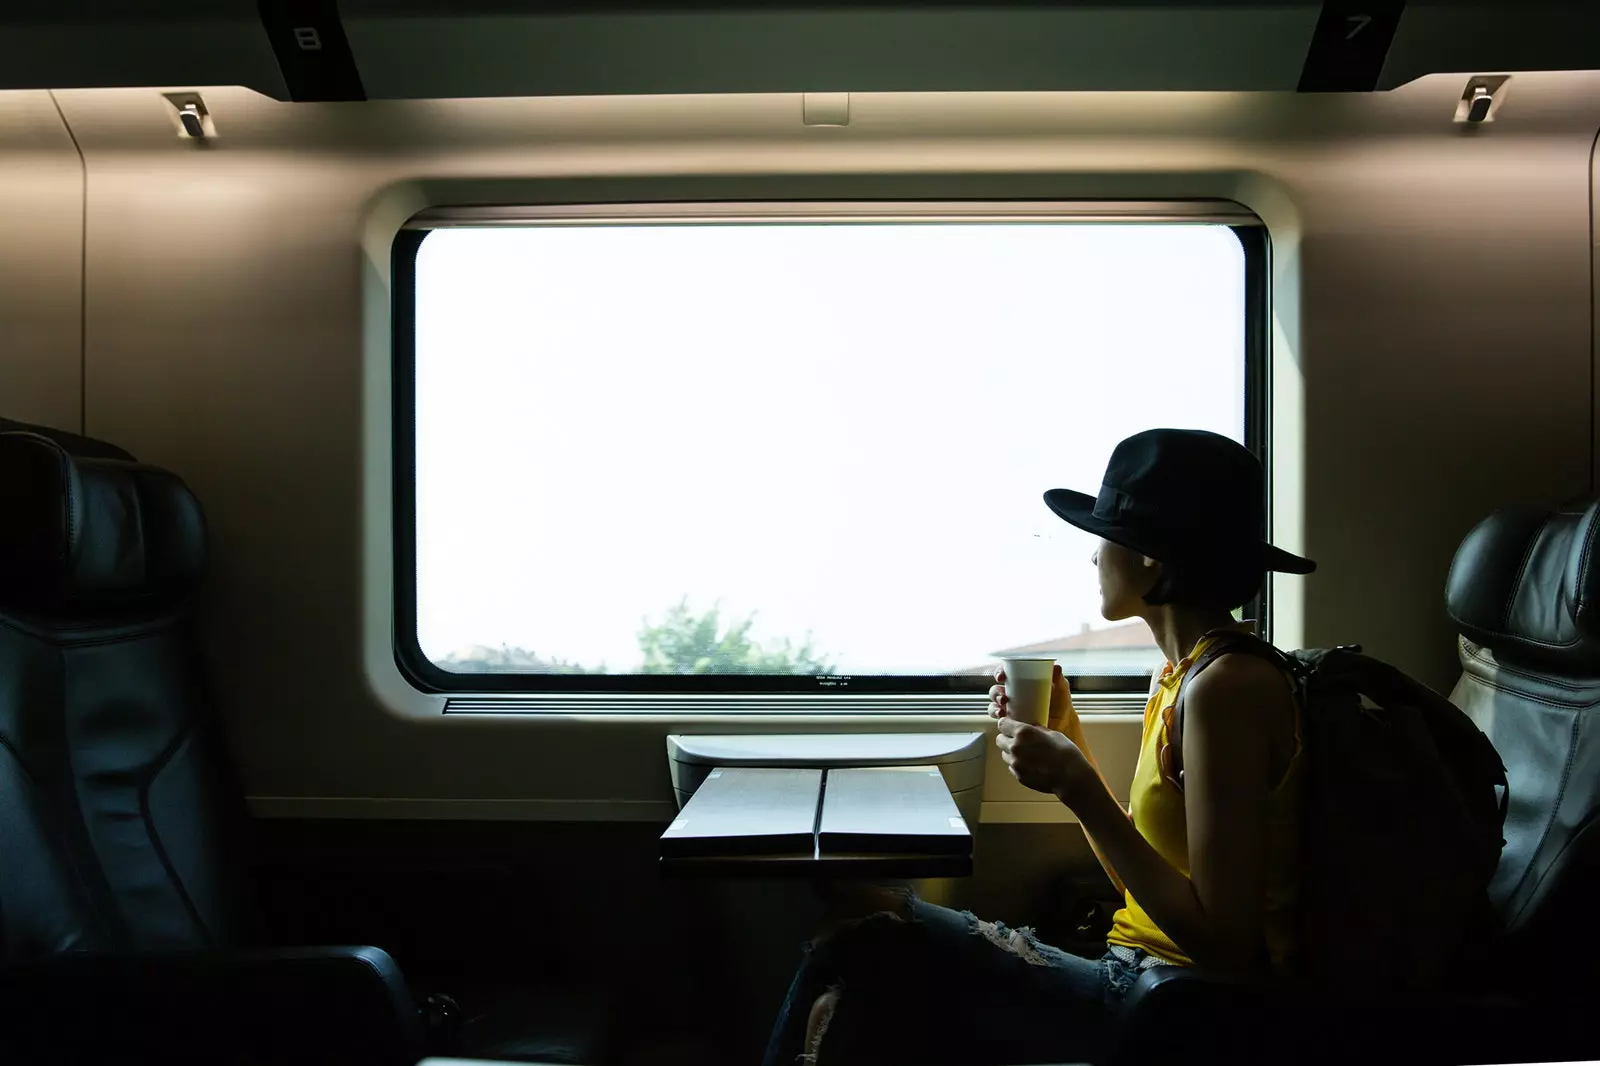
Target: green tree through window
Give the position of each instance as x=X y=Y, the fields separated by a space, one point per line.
x=686 y=643
x=682 y=643
x=482 y=659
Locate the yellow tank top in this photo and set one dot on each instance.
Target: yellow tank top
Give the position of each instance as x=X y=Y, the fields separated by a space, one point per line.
x=1157 y=809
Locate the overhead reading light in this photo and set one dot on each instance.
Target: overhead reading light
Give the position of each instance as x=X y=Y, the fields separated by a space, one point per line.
x=194 y=120
x=1481 y=98
x=825 y=109
x=189 y=115
x=1478 y=106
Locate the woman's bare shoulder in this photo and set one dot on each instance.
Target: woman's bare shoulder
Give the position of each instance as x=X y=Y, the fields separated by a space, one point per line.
x=1238 y=683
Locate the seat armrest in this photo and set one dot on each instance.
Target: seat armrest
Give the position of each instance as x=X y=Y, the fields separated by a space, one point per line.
x=1174 y=1012
x=1240 y=1020
x=1203 y=1017
x=346 y=1005
x=1158 y=987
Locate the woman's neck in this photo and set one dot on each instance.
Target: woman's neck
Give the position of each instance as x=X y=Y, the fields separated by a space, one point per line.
x=1178 y=629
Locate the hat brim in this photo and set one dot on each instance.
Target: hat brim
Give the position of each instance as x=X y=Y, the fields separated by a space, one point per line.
x=1077 y=508
x=1282 y=562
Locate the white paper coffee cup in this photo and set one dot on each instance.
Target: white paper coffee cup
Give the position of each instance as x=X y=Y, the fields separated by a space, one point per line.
x=1028 y=689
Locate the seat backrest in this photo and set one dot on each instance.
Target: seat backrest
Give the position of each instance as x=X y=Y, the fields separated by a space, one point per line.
x=113 y=798
x=1524 y=591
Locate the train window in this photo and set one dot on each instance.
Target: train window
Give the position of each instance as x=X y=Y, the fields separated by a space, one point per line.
x=750 y=454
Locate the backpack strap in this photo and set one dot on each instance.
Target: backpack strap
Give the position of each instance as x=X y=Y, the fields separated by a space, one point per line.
x=1227 y=643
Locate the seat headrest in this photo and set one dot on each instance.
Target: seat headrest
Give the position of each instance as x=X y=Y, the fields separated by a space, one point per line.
x=74 y=444
x=1524 y=584
x=92 y=534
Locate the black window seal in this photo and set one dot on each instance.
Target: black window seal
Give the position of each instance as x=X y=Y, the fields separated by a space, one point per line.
x=425 y=675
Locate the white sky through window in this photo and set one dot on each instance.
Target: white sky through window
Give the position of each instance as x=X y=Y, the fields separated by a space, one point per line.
x=843 y=429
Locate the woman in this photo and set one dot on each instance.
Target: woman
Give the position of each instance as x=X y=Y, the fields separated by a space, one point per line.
x=1205 y=858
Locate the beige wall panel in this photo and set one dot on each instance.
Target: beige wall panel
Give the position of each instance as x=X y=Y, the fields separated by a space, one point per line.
x=41 y=261
x=1594 y=279
x=1433 y=303
x=1445 y=339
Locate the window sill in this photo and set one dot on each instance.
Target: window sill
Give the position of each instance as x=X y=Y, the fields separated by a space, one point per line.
x=693 y=706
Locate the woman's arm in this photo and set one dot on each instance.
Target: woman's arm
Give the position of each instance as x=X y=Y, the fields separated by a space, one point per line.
x=1217 y=914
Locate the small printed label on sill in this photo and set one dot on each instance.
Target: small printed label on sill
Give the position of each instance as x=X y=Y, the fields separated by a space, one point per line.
x=715 y=773
x=957 y=823
x=677 y=827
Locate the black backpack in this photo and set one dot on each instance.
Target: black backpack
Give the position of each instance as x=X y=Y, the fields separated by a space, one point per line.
x=1405 y=804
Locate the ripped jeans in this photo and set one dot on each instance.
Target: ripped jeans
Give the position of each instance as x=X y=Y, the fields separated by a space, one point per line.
x=931 y=986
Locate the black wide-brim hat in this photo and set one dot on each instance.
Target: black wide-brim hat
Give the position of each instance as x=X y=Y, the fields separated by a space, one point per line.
x=1182 y=496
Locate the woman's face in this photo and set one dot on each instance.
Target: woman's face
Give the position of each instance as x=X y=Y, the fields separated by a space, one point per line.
x=1125 y=577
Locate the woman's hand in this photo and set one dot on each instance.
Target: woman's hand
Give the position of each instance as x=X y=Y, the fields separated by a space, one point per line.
x=1046 y=761
x=1063 y=716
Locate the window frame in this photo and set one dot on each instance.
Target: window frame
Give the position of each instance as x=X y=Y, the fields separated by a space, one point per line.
x=426 y=676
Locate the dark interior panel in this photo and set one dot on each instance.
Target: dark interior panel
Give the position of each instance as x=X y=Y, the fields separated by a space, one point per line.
x=698 y=966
